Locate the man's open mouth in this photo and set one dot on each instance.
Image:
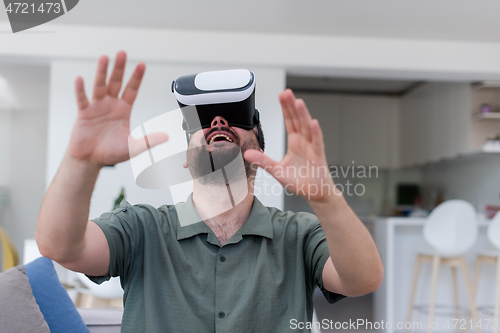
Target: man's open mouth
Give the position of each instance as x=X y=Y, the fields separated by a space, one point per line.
x=219 y=137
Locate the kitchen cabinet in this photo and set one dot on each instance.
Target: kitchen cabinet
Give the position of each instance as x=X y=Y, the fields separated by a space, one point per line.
x=326 y=108
x=484 y=125
x=435 y=121
x=368 y=130
x=440 y=121
x=360 y=130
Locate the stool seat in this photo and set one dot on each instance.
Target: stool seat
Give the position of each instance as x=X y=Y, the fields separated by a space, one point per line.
x=490 y=253
x=450 y=231
x=433 y=252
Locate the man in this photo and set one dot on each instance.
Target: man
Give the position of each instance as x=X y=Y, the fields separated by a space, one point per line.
x=247 y=269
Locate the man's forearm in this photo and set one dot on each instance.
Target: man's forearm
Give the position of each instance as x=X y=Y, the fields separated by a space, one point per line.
x=352 y=249
x=65 y=208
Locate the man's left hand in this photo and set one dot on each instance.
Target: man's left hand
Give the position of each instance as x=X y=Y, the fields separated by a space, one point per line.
x=304 y=169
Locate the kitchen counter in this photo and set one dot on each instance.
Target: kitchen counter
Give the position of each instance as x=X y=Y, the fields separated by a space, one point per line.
x=398 y=240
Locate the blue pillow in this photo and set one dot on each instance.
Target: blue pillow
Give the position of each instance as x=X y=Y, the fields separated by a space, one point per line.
x=57 y=308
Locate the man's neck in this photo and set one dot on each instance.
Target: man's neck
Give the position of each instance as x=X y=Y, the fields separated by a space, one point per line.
x=215 y=207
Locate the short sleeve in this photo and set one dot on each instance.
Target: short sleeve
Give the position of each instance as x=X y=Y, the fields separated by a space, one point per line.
x=316 y=255
x=124 y=237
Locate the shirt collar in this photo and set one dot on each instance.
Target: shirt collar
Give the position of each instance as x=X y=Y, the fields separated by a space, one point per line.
x=190 y=223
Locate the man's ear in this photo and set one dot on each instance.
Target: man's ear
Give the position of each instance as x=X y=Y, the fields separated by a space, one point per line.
x=261 y=150
x=185 y=165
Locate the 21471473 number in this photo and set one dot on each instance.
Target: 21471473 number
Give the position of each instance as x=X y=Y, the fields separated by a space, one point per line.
x=463 y=324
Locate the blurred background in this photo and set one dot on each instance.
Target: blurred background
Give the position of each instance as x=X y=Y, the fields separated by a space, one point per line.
x=407 y=95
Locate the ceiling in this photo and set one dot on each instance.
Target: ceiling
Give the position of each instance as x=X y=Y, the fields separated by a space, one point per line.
x=423 y=19
x=452 y=20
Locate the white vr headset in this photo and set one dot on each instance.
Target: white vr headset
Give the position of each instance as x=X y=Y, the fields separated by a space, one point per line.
x=229 y=94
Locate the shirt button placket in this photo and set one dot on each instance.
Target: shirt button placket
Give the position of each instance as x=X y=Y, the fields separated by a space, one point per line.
x=220 y=291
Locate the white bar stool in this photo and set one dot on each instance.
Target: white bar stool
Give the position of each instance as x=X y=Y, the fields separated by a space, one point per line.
x=491 y=257
x=451 y=230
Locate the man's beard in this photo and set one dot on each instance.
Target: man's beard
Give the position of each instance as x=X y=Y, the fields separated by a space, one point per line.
x=204 y=161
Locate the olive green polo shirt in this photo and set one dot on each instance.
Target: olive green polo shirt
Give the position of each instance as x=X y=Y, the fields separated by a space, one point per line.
x=180 y=279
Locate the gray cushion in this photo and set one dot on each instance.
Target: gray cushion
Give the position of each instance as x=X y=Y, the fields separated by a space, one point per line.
x=19 y=311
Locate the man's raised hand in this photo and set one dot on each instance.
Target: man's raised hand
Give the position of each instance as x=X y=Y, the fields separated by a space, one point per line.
x=304 y=169
x=102 y=128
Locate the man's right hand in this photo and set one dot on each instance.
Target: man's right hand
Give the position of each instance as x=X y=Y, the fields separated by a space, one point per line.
x=100 y=137
x=102 y=128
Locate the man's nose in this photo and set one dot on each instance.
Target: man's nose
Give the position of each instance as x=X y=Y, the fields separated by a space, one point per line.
x=218 y=122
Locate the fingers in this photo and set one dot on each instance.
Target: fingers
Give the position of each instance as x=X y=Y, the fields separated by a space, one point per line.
x=132 y=88
x=287 y=115
x=137 y=146
x=317 y=137
x=100 y=89
x=262 y=160
x=304 y=118
x=289 y=103
x=156 y=138
x=81 y=97
x=297 y=117
x=115 y=81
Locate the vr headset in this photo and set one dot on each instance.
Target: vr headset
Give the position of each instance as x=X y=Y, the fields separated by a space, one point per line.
x=229 y=94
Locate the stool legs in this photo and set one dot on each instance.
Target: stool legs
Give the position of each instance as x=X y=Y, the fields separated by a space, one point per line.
x=497 y=297
x=490 y=259
x=455 y=293
x=435 y=272
x=472 y=303
x=418 y=263
x=477 y=272
x=454 y=263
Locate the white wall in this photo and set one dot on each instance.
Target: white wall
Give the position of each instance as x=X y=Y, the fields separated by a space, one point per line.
x=5 y=139
x=24 y=151
x=155 y=98
x=27 y=174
